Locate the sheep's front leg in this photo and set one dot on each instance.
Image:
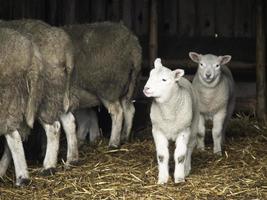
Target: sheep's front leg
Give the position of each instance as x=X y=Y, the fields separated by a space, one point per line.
x=15 y=145
x=201 y=133
x=180 y=155
x=52 y=147
x=162 y=143
x=69 y=126
x=218 y=120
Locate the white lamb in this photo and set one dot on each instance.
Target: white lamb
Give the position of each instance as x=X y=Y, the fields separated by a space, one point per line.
x=174 y=116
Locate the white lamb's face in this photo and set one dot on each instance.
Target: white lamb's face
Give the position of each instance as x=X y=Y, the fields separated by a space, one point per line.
x=161 y=81
x=209 y=66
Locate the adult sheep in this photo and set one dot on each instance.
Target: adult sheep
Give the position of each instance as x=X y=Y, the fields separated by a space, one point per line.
x=214 y=84
x=107 y=63
x=20 y=69
x=174 y=116
x=56 y=51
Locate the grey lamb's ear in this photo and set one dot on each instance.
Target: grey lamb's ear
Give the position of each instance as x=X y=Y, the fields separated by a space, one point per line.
x=225 y=59
x=157 y=63
x=178 y=73
x=195 y=57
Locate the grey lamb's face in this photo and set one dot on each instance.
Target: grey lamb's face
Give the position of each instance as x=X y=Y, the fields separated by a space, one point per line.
x=209 y=66
x=161 y=81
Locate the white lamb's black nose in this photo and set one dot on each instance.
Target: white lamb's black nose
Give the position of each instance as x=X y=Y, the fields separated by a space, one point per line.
x=146 y=89
x=208 y=75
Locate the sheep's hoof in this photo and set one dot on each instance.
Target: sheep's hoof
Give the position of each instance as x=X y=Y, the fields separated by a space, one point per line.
x=48 y=172
x=218 y=153
x=22 y=182
x=179 y=180
x=75 y=163
x=113 y=147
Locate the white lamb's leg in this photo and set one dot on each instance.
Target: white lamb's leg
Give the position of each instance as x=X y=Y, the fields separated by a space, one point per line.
x=188 y=160
x=68 y=123
x=180 y=155
x=128 y=113
x=15 y=145
x=201 y=133
x=116 y=113
x=82 y=132
x=218 y=120
x=5 y=160
x=52 y=147
x=162 y=143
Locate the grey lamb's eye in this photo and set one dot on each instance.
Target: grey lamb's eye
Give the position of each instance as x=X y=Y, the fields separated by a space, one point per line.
x=217 y=66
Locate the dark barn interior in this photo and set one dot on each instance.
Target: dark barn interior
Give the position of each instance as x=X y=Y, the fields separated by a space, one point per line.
x=168 y=29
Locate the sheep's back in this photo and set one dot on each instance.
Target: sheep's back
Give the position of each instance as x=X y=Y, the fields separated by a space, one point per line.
x=104 y=58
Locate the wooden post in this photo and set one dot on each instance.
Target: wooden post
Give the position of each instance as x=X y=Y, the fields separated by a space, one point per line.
x=260 y=63
x=153 y=32
x=70 y=11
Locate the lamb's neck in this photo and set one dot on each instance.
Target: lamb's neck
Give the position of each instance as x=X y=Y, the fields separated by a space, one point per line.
x=169 y=108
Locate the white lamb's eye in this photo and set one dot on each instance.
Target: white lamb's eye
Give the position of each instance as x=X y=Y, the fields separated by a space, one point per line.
x=201 y=64
x=164 y=79
x=217 y=66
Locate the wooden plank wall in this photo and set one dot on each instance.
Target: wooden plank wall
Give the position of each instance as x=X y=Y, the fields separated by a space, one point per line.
x=186 y=18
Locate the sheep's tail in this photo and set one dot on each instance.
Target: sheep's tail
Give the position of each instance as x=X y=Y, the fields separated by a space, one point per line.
x=32 y=85
x=136 y=56
x=69 y=65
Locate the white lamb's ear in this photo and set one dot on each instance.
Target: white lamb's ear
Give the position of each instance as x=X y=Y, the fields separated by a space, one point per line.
x=178 y=73
x=224 y=59
x=157 y=63
x=195 y=57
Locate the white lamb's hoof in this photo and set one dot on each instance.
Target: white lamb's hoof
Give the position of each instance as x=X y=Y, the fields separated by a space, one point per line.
x=163 y=180
x=179 y=180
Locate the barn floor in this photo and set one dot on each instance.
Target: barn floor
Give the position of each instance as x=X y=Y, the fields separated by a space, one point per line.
x=131 y=172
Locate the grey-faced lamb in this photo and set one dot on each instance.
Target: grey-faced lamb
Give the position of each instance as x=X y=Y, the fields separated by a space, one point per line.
x=215 y=87
x=107 y=63
x=87 y=123
x=56 y=53
x=174 y=115
x=20 y=69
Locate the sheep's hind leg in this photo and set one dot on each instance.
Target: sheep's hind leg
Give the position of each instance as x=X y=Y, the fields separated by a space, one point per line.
x=5 y=160
x=116 y=112
x=52 y=148
x=128 y=113
x=69 y=126
x=15 y=145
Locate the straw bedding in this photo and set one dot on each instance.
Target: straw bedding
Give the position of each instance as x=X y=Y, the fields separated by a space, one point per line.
x=131 y=172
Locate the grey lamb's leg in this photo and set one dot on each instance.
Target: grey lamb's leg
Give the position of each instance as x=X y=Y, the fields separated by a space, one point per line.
x=93 y=127
x=128 y=113
x=218 y=120
x=5 y=160
x=68 y=123
x=15 y=145
x=201 y=133
x=52 y=147
x=116 y=112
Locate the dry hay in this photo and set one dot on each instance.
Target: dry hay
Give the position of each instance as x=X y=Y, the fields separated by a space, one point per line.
x=131 y=172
